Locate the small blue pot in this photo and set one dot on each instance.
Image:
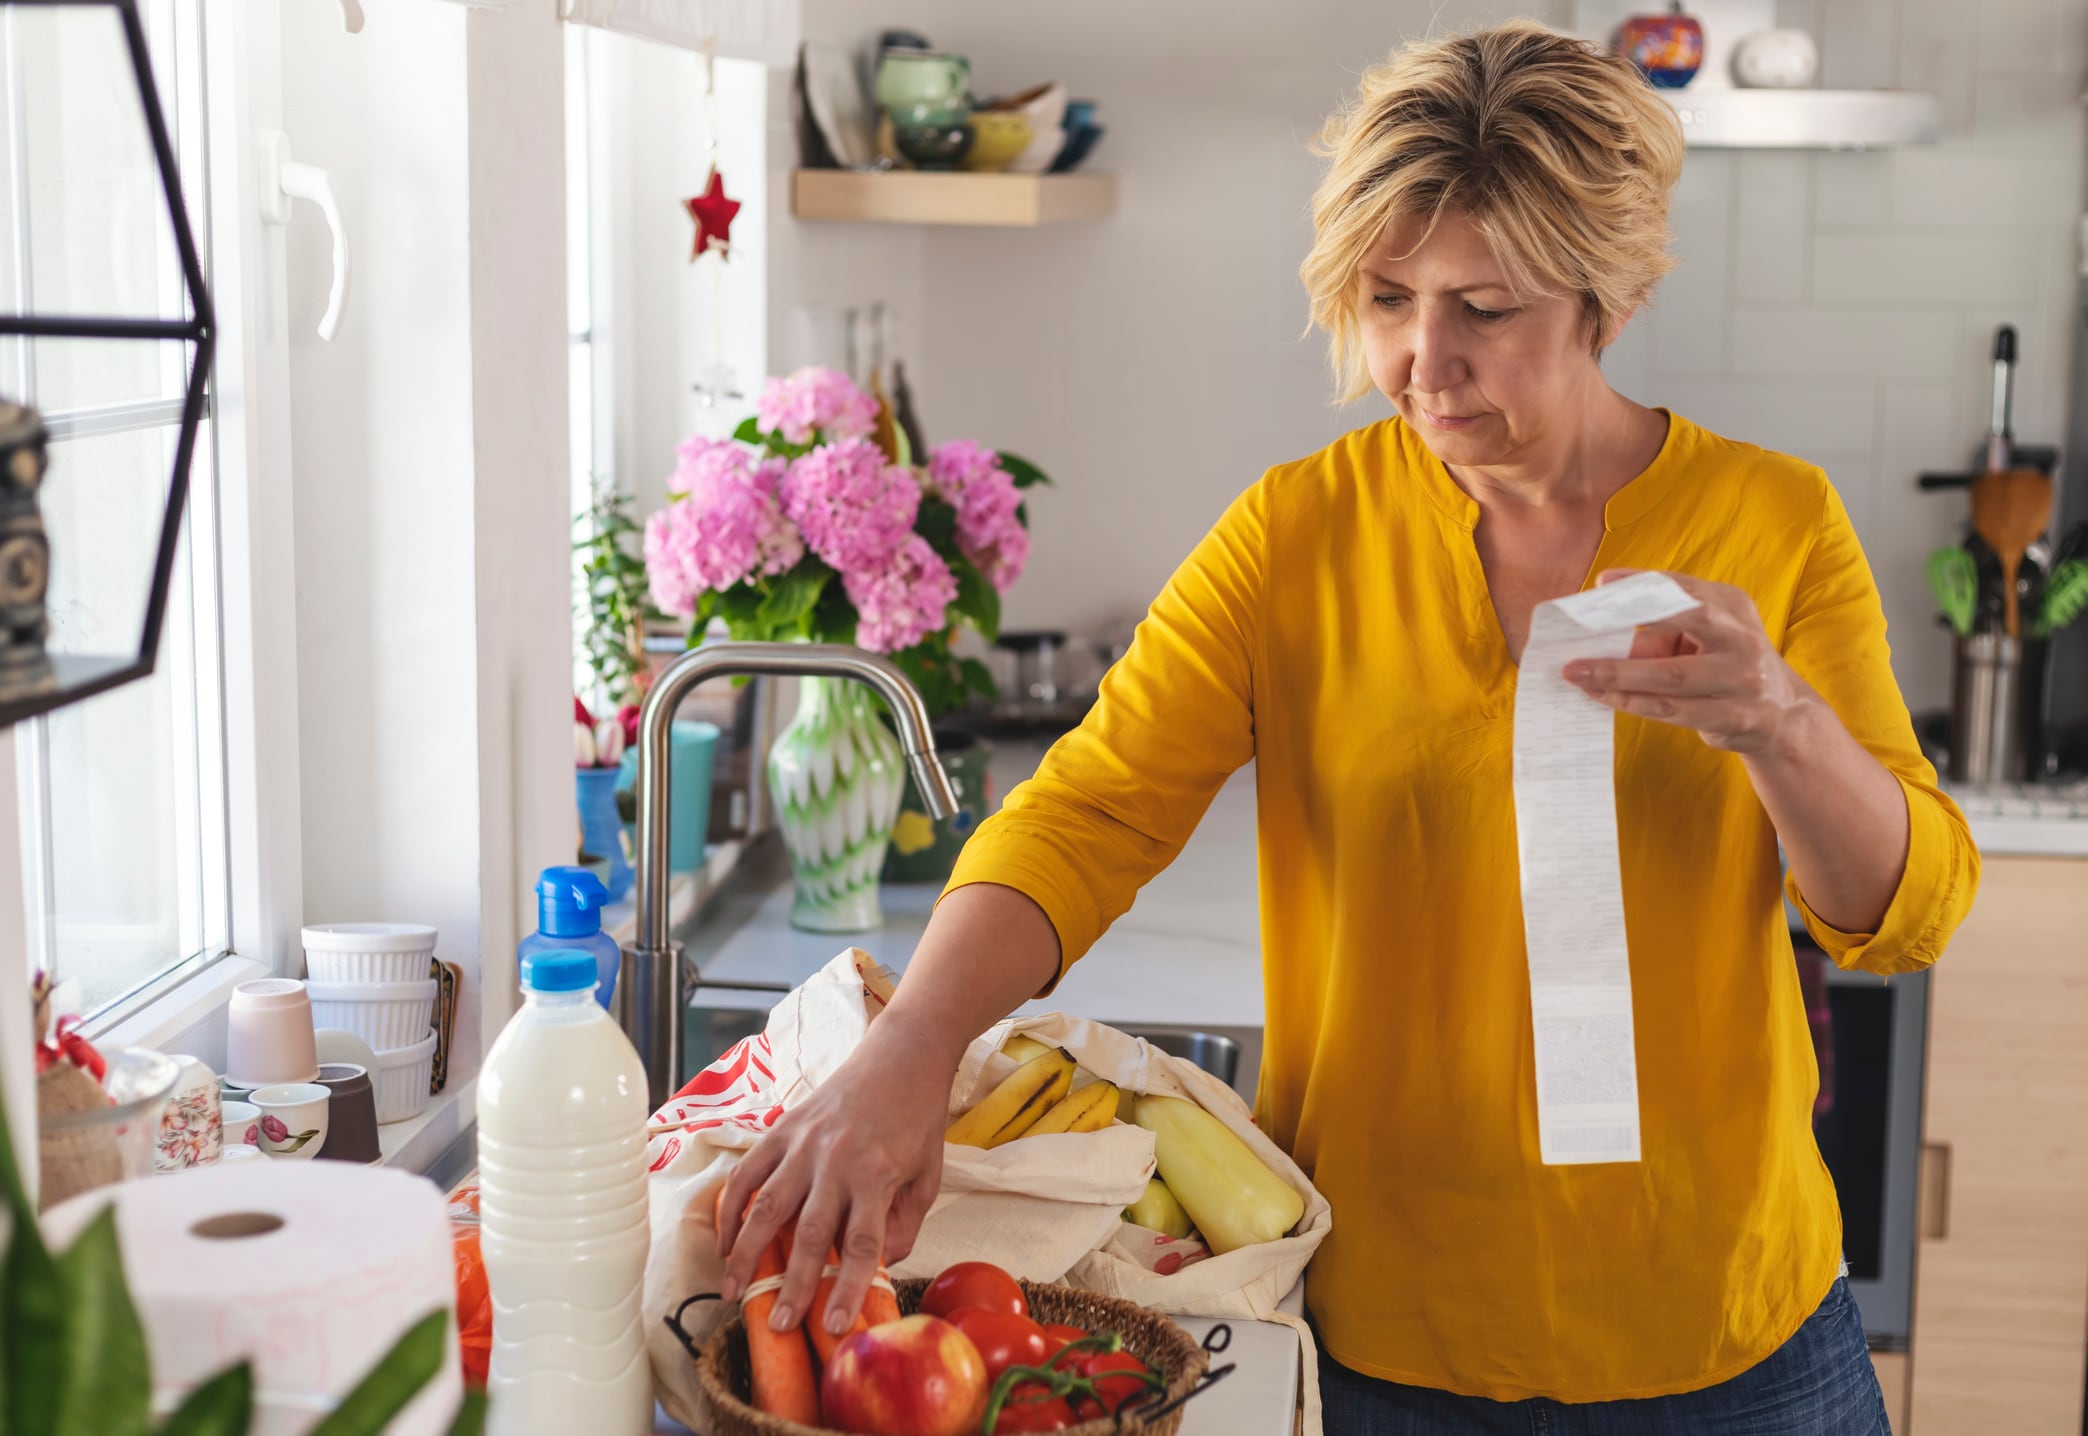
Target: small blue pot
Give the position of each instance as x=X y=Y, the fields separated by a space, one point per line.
x=601 y=830
x=694 y=748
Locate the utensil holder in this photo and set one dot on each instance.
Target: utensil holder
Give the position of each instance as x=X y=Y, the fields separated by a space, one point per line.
x=1997 y=710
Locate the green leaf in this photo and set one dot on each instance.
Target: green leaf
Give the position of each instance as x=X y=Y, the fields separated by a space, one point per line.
x=793 y=596
x=32 y=1310
x=103 y=1375
x=2065 y=596
x=978 y=679
x=749 y=431
x=471 y=1416
x=221 y=1406
x=937 y=523
x=393 y=1382
x=1025 y=474
x=977 y=599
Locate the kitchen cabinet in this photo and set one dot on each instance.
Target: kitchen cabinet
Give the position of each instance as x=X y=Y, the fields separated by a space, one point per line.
x=2000 y=1333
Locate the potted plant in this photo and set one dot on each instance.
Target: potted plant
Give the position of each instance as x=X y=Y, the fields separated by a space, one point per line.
x=813 y=523
x=611 y=606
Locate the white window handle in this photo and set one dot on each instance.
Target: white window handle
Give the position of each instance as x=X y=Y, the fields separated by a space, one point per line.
x=284 y=179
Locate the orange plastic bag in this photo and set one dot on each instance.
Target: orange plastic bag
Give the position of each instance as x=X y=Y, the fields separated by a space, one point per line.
x=474 y=1300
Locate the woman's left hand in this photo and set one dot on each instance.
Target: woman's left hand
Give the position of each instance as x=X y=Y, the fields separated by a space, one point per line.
x=1712 y=669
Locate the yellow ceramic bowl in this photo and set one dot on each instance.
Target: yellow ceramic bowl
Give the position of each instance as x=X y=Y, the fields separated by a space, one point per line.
x=999 y=136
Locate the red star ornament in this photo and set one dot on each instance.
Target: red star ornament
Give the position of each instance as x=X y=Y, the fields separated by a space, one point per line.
x=713 y=215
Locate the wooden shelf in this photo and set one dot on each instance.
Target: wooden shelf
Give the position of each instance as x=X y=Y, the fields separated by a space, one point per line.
x=924 y=197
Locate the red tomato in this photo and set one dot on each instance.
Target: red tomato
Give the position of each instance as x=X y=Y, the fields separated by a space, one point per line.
x=1062 y=1336
x=1032 y=1408
x=1115 y=1390
x=973 y=1283
x=1003 y=1339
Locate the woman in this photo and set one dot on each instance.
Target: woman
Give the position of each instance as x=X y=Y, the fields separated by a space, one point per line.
x=1493 y=214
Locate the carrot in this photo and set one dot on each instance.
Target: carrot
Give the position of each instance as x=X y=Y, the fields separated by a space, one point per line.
x=781 y=1363
x=880 y=1306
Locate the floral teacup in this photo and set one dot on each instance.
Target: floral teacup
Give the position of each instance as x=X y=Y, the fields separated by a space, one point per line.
x=293 y=1119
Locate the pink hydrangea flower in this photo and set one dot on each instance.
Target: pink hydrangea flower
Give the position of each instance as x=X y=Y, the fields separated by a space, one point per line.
x=729 y=526
x=968 y=477
x=824 y=401
x=853 y=506
x=902 y=603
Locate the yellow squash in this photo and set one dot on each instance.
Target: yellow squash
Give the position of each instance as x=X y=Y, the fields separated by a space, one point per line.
x=1158 y=1211
x=1231 y=1195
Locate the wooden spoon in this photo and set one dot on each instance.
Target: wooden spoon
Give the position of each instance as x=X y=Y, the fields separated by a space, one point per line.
x=2011 y=510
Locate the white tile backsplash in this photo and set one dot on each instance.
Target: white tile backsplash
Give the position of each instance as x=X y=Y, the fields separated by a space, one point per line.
x=1904 y=265
x=1772 y=251
x=1817 y=342
x=1860 y=292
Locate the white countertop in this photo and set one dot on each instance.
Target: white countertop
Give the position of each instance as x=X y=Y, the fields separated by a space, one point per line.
x=2019 y=820
x=1188 y=952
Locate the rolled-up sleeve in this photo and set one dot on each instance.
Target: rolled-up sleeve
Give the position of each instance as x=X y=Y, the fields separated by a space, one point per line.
x=1836 y=642
x=1115 y=799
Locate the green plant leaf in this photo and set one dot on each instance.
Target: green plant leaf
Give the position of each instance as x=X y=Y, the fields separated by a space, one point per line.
x=1025 y=474
x=2065 y=596
x=393 y=1382
x=749 y=431
x=978 y=679
x=793 y=596
x=471 y=1416
x=937 y=523
x=221 y=1406
x=977 y=599
x=103 y=1375
x=32 y=1303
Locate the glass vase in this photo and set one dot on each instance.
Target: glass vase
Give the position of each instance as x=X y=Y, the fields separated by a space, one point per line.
x=836 y=774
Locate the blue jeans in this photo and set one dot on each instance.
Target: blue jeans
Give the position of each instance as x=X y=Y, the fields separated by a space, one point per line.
x=1819 y=1383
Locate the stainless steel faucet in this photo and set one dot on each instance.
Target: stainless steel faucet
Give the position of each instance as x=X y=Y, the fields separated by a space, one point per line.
x=651 y=984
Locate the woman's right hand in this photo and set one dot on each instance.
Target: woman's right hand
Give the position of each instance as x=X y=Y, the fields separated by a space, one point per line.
x=857 y=1164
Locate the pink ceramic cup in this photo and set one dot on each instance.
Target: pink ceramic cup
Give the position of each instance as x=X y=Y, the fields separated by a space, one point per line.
x=268 y=1036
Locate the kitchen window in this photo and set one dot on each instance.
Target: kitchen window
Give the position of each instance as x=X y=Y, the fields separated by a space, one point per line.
x=123 y=796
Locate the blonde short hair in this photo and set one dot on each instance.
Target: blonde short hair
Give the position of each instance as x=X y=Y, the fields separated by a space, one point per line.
x=1561 y=154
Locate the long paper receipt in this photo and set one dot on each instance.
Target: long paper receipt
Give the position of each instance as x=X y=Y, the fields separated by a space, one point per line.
x=1572 y=891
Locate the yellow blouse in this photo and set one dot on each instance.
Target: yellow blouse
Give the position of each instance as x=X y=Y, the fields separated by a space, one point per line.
x=1335 y=628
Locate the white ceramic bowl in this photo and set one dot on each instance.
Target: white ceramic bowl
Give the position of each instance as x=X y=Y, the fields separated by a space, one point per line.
x=368 y=951
x=386 y=1015
x=401 y=1079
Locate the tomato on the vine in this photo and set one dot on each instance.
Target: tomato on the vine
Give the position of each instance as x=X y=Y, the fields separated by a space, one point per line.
x=1115 y=1390
x=1031 y=1407
x=1003 y=1339
x=973 y=1283
x=1063 y=1336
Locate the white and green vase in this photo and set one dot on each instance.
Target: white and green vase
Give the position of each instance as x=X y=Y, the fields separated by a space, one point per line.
x=836 y=774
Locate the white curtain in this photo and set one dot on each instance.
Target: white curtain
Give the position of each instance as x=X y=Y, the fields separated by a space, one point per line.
x=763 y=30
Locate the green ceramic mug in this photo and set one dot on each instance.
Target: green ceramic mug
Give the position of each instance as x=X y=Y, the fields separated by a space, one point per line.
x=924 y=87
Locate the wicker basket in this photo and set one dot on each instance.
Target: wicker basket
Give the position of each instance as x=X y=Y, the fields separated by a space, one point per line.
x=723 y=1382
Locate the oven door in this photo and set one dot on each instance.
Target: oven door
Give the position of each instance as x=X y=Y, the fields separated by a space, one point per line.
x=1869 y=1131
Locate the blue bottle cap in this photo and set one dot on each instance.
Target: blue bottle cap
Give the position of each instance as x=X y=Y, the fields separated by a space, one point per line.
x=559 y=970
x=569 y=902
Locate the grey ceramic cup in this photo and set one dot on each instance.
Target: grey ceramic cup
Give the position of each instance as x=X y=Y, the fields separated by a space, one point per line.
x=351 y=1134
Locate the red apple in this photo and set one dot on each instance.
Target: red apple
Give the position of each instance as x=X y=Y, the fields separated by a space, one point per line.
x=917 y=1376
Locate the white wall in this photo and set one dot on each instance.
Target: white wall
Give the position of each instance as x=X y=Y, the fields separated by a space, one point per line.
x=1838 y=306
x=382 y=455
x=429 y=455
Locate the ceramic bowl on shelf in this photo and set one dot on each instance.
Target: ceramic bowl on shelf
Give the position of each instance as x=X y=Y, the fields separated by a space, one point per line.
x=1776 y=60
x=933 y=147
x=1079 y=145
x=368 y=951
x=268 y=1034
x=998 y=136
x=1044 y=106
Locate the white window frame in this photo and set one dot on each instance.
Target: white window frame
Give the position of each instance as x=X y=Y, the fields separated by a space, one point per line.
x=248 y=505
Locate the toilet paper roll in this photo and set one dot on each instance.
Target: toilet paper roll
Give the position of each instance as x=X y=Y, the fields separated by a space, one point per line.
x=311 y=1271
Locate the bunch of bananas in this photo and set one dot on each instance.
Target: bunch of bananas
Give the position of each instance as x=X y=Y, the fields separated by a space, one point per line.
x=1037 y=1099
